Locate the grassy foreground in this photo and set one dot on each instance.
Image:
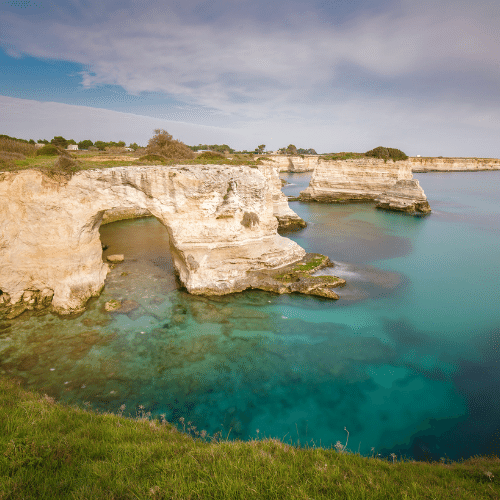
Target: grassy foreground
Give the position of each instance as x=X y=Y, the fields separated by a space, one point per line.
x=52 y=451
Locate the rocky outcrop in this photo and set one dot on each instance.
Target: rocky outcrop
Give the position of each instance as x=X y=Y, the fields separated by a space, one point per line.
x=295 y=163
x=354 y=180
x=453 y=164
x=404 y=196
x=220 y=221
x=287 y=218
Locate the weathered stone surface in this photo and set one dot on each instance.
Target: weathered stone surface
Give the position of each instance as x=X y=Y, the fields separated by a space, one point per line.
x=116 y=214
x=404 y=196
x=295 y=163
x=453 y=164
x=287 y=218
x=49 y=228
x=115 y=259
x=296 y=278
x=354 y=180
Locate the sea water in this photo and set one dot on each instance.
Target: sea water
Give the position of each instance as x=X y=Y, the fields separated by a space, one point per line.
x=407 y=360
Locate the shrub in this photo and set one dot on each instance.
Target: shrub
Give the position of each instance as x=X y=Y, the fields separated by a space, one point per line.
x=66 y=164
x=210 y=155
x=153 y=158
x=387 y=154
x=12 y=145
x=164 y=145
x=48 y=150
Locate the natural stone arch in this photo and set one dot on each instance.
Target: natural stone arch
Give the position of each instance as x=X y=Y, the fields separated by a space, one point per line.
x=50 y=247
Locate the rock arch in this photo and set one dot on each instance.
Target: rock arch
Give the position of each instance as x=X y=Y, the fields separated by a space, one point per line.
x=50 y=250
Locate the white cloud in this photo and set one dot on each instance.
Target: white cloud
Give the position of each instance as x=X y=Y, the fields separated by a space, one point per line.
x=277 y=82
x=225 y=67
x=27 y=119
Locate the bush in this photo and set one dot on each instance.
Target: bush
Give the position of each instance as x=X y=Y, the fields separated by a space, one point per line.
x=210 y=155
x=164 y=145
x=387 y=154
x=66 y=164
x=48 y=150
x=153 y=158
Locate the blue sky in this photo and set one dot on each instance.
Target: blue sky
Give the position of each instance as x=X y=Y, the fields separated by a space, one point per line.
x=334 y=75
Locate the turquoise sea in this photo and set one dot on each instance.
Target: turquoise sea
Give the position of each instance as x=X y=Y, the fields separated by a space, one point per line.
x=407 y=360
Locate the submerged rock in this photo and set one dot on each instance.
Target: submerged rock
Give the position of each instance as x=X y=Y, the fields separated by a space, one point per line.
x=115 y=259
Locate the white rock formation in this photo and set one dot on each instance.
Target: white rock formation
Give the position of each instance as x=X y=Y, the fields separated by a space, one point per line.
x=453 y=164
x=404 y=196
x=354 y=180
x=220 y=221
x=287 y=218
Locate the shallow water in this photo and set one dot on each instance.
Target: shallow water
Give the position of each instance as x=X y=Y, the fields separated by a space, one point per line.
x=407 y=360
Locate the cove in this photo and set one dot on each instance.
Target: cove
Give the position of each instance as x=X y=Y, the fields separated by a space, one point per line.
x=406 y=359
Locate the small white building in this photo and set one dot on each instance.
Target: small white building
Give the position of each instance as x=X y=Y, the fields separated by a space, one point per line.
x=39 y=145
x=418 y=156
x=72 y=147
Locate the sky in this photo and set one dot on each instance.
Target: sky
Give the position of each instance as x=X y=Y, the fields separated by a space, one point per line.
x=333 y=75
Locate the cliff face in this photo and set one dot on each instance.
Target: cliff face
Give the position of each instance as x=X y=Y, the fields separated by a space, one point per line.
x=404 y=196
x=354 y=180
x=453 y=164
x=287 y=218
x=296 y=163
x=220 y=221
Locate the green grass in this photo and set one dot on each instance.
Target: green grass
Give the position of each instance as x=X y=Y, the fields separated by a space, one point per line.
x=84 y=163
x=49 y=450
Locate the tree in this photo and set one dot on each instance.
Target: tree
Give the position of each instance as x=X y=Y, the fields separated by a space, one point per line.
x=134 y=146
x=70 y=141
x=59 y=141
x=100 y=145
x=86 y=144
x=43 y=141
x=291 y=150
x=387 y=153
x=120 y=144
x=260 y=149
x=162 y=143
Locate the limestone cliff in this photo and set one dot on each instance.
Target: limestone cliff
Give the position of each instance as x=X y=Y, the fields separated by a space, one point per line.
x=287 y=218
x=295 y=163
x=453 y=164
x=354 y=180
x=404 y=196
x=220 y=221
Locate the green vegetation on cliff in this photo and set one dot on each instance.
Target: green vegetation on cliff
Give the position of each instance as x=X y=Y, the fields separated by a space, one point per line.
x=49 y=450
x=387 y=154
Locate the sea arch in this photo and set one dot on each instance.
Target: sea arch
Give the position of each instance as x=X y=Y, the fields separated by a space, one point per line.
x=220 y=219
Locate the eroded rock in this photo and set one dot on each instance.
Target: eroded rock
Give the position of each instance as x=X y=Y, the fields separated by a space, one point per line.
x=405 y=196
x=49 y=228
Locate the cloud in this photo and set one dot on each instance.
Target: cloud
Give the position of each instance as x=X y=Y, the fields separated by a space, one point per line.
x=230 y=63
x=43 y=120
x=301 y=72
